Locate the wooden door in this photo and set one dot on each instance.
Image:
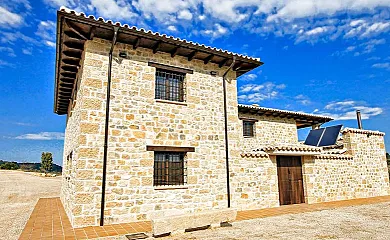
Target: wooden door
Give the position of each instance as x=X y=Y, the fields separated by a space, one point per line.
x=290 y=180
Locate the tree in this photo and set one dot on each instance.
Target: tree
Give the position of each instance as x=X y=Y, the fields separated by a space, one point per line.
x=46 y=161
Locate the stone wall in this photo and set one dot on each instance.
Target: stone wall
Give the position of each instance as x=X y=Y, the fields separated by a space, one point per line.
x=360 y=174
x=73 y=139
x=269 y=130
x=137 y=120
x=254 y=182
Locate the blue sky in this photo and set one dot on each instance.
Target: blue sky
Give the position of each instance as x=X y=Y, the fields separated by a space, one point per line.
x=323 y=57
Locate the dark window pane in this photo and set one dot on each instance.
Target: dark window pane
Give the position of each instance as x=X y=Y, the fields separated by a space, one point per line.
x=169 y=168
x=170 y=85
x=248 y=128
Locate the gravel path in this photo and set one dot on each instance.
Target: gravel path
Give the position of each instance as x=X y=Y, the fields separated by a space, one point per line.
x=19 y=192
x=357 y=222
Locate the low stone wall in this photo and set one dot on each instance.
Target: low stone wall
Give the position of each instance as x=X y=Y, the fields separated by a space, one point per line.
x=360 y=174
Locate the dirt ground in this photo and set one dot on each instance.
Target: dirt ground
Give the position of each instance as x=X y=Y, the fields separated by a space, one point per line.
x=19 y=192
x=357 y=222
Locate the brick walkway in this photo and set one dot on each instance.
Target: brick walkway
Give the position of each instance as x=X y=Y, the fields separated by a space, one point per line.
x=49 y=221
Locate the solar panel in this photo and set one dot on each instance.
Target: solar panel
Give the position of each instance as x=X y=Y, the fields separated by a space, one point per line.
x=323 y=136
x=314 y=137
x=330 y=136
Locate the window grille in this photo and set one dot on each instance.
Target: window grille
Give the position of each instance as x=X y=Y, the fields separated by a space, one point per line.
x=248 y=128
x=169 y=169
x=170 y=85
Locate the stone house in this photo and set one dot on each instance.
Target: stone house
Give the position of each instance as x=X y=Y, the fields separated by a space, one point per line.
x=154 y=129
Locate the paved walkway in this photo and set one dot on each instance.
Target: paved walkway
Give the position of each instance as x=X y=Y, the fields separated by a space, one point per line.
x=49 y=220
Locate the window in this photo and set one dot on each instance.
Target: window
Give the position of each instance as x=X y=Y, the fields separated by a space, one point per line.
x=248 y=128
x=170 y=85
x=169 y=168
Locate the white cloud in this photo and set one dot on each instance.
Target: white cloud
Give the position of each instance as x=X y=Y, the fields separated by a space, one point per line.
x=114 y=9
x=216 y=32
x=249 y=77
x=42 y=136
x=253 y=93
x=376 y=28
x=382 y=65
x=5 y=64
x=202 y=17
x=308 y=8
x=302 y=99
x=9 y=19
x=185 y=14
x=9 y=51
x=346 y=110
x=27 y=51
x=172 y=28
x=50 y=44
x=317 y=30
x=12 y=37
x=46 y=30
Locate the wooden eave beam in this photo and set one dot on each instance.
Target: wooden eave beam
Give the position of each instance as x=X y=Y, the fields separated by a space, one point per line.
x=73 y=45
x=208 y=59
x=192 y=55
x=237 y=66
x=156 y=46
x=223 y=62
x=71 y=54
x=175 y=51
x=92 y=32
x=67 y=79
x=136 y=43
x=75 y=31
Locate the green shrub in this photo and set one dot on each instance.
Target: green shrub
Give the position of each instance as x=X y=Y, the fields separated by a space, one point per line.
x=9 y=166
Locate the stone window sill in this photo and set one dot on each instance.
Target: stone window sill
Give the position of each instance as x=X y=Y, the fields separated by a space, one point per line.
x=171 y=102
x=170 y=187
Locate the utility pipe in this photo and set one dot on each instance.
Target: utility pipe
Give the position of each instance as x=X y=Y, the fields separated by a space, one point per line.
x=106 y=126
x=359 y=119
x=226 y=130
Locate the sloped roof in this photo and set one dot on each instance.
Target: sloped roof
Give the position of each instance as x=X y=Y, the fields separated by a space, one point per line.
x=302 y=119
x=73 y=29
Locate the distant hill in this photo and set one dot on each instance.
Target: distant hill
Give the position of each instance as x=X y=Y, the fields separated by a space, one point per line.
x=32 y=166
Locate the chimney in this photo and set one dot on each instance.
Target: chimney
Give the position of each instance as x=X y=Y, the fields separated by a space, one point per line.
x=359 y=119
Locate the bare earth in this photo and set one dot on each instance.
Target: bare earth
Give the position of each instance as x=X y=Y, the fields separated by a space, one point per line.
x=358 y=222
x=19 y=192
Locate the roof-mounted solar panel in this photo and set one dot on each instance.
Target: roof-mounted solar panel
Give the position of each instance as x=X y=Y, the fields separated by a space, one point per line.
x=314 y=137
x=323 y=136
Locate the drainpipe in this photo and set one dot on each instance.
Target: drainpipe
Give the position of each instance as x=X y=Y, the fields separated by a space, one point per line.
x=106 y=126
x=226 y=130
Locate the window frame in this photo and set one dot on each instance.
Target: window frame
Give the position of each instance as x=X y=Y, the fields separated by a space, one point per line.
x=173 y=71
x=166 y=176
x=170 y=85
x=252 y=133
